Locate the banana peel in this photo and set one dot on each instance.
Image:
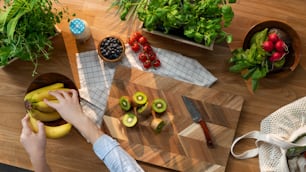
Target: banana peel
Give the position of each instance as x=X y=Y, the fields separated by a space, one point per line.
x=52 y=132
x=54 y=86
x=41 y=106
x=44 y=117
x=44 y=95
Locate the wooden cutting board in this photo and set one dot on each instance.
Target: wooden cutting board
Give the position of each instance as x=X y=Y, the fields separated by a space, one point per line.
x=181 y=145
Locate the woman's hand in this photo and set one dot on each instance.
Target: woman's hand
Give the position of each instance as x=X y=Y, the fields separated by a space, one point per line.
x=35 y=144
x=69 y=108
x=68 y=105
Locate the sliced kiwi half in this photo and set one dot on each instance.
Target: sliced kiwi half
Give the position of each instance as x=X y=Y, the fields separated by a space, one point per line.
x=159 y=105
x=139 y=98
x=144 y=110
x=157 y=124
x=129 y=119
x=125 y=103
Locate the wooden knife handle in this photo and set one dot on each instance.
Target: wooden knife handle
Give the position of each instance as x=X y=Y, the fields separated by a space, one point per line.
x=206 y=133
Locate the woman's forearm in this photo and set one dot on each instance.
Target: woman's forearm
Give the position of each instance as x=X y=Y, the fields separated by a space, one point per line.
x=88 y=128
x=40 y=163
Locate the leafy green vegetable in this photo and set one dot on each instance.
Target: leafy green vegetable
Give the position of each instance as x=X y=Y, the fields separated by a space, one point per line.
x=253 y=61
x=200 y=20
x=25 y=29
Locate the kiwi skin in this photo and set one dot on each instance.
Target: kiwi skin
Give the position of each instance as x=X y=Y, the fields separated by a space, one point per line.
x=128 y=105
x=144 y=110
x=157 y=124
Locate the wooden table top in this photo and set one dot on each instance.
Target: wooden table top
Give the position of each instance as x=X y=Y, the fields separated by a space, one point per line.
x=73 y=153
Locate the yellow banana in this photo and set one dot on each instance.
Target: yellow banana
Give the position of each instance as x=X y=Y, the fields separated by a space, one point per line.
x=45 y=117
x=52 y=132
x=44 y=95
x=39 y=90
x=43 y=107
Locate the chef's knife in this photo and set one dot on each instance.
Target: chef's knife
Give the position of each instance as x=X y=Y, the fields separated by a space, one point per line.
x=196 y=117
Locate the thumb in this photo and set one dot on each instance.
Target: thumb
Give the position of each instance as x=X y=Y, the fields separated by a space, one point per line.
x=41 y=129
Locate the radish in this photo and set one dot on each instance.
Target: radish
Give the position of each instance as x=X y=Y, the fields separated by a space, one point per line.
x=281 y=46
x=276 y=56
x=273 y=37
x=268 y=46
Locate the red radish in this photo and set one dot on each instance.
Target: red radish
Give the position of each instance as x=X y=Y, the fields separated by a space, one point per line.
x=268 y=46
x=273 y=37
x=281 y=46
x=276 y=56
x=142 y=57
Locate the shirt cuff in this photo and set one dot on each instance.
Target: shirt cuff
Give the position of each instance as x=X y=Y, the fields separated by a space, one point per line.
x=104 y=145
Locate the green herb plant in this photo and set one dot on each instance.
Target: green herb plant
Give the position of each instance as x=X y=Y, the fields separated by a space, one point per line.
x=201 y=21
x=25 y=29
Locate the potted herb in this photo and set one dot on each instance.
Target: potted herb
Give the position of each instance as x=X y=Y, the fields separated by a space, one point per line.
x=25 y=29
x=200 y=21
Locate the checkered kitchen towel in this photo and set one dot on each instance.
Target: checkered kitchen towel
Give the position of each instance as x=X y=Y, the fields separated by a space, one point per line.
x=96 y=76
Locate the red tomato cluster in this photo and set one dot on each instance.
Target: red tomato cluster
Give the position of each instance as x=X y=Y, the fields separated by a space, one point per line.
x=147 y=56
x=275 y=46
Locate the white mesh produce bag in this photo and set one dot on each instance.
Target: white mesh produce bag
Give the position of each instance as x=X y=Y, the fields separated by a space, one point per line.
x=276 y=134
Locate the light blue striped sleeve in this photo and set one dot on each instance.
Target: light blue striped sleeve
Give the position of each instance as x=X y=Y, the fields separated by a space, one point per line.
x=115 y=158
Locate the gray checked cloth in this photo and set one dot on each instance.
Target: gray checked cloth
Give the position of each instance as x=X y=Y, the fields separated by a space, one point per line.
x=96 y=76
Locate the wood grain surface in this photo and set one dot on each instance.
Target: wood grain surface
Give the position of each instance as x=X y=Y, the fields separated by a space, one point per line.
x=181 y=144
x=74 y=154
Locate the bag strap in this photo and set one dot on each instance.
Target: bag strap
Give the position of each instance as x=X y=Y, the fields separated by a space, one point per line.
x=261 y=137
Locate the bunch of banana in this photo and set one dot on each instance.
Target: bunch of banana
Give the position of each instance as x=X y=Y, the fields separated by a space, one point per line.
x=38 y=110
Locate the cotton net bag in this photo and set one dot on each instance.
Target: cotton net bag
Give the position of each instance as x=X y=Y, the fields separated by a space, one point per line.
x=283 y=129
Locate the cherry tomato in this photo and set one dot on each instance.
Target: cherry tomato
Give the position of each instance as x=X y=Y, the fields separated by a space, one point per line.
x=142 y=40
x=151 y=55
x=137 y=35
x=147 y=48
x=156 y=63
x=142 y=57
x=135 y=47
x=147 y=64
x=131 y=41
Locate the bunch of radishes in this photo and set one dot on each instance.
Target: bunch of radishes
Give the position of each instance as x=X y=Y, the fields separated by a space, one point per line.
x=276 y=46
x=147 y=56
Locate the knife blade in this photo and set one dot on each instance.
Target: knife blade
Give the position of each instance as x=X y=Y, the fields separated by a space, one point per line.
x=196 y=117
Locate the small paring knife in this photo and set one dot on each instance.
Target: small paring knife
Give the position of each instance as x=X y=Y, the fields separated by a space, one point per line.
x=196 y=117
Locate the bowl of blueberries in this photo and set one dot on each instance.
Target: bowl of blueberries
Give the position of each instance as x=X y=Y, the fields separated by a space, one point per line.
x=111 y=49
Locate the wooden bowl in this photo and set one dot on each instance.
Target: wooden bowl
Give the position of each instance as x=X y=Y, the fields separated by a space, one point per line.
x=292 y=40
x=48 y=79
x=105 y=53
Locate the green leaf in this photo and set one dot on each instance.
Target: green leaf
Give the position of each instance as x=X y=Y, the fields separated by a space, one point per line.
x=255 y=83
x=259 y=73
x=239 y=67
x=228 y=15
x=249 y=73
